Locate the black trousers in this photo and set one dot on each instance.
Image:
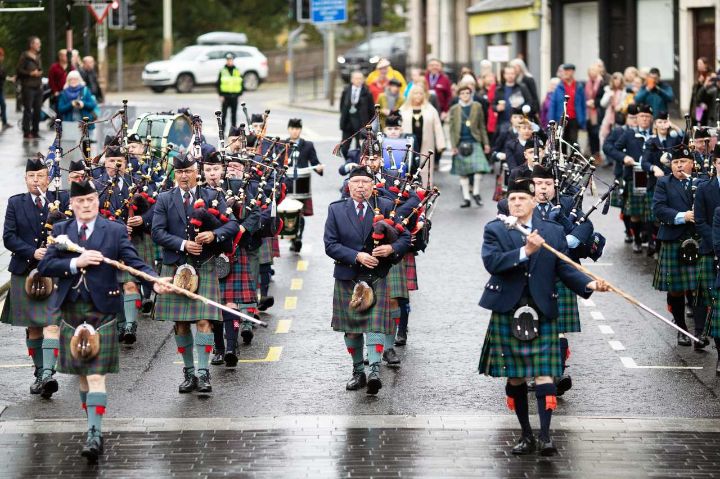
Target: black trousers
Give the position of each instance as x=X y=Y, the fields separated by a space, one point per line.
x=32 y=103
x=570 y=135
x=230 y=102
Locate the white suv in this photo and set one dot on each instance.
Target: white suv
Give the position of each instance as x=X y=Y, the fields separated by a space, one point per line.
x=201 y=64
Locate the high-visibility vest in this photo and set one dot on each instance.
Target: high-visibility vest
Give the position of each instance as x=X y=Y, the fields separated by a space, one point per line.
x=230 y=82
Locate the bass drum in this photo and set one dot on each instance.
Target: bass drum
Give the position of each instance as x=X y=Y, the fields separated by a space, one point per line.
x=289 y=212
x=166 y=128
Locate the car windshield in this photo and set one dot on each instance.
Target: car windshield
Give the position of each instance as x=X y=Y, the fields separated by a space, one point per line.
x=378 y=46
x=189 y=53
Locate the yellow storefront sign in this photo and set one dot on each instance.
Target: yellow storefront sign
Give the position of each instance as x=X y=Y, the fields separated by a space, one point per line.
x=513 y=20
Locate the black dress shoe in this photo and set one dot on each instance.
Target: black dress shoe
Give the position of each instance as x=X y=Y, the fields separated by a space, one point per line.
x=478 y=200
x=247 y=335
x=36 y=387
x=526 y=445
x=230 y=359
x=266 y=302
x=296 y=245
x=683 y=340
x=49 y=386
x=373 y=383
x=637 y=249
x=401 y=340
x=564 y=384
x=391 y=358
x=704 y=341
x=218 y=358
x=130 y=334
x=628 y=238
x=203 y=381
x=358 y=381
x=121 y=334
x=147 y=306
x=651 y=249
x=190 y=382
x=465 y=204
x=546 y=448
x=93 y=446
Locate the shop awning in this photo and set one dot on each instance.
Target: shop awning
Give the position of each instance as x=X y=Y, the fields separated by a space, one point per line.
x=498 y=16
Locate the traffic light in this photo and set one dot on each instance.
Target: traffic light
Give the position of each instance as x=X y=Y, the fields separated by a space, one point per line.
x=130 y=18
x=299 y=10
x=115 y=20
x=361 y=12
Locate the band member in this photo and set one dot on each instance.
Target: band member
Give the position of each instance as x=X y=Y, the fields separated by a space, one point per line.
x=87 y=293
x=170 y=230
x=305 y=158
x=77 y=171
x=676 y=272
x=348 y=240
x=522 y=289
x=529 y=155
x=24 y=235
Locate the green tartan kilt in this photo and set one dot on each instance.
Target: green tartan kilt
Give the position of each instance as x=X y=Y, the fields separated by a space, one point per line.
x=397 y=281
x=670 y=274
x=21 y=310
x=616 y=199
x=706 y=273
x=503 y=355
x=146 y=250
x=173 y=307
x=108 y=359
x=568 y=320
x=266 y=251
x=471 y=164
x=374 y=320
x=640 y=206
x=714 y=327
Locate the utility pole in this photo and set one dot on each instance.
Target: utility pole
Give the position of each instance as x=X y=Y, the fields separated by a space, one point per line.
x=68 y=32
x=167 y=29
x=86 y=32
x=101 y=32
x=291 y=61
x=369 y=12
x=51 y=32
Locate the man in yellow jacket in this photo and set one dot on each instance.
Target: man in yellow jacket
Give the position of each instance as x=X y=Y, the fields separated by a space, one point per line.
x=230 y=87
x=378 y=80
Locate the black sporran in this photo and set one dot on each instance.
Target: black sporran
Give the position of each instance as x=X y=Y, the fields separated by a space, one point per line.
x=525 y=323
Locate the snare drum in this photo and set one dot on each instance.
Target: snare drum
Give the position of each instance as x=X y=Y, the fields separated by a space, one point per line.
x=640 y=181
x=298 y=187
x=506 y=177
x=289 y=212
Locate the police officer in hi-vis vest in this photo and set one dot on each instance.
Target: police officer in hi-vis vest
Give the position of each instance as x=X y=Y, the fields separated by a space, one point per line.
x=230 y=87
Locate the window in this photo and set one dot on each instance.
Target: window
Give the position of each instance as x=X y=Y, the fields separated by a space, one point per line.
x=580 y=31
x=216 y=54
x=655 y=36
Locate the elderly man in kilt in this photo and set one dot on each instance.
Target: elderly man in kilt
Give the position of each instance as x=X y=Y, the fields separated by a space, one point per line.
x=522 y=336
x=24 y=235
x=170 y=231
x=87 y=293
x=676 y=273
x=348 y=241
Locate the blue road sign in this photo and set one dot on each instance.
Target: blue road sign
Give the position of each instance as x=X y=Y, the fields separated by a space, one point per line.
x=328 y=11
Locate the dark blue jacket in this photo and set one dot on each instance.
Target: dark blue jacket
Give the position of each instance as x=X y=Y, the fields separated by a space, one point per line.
x=345 y=237
x=169 y=225
x=630 y=143
x=707 y=199
x=117 y=197
x=501 y=257
x=24 y=229
x=109 y=238
x=716 y=239
x=671 y=198
x=612 y=152
x=558 y=98
x=652 y=154
x=515 y=153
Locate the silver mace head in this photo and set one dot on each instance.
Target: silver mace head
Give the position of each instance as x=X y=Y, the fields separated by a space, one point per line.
x=509 y=221
x=64 y=243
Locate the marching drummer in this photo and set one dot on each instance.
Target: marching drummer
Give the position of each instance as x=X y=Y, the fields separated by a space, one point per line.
x=304 y=159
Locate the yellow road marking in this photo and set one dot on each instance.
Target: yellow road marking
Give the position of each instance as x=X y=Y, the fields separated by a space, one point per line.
x=302 y=265
x=296 y=284
x=273 y=355
x=283 y=326
x=290 y=302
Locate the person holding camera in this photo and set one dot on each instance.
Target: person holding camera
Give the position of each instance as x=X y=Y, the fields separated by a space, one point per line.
x=657 y=94
x=75 y=100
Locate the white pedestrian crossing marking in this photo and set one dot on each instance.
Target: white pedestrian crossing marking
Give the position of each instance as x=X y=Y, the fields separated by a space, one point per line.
x=587 y=302
x=630 y=364
x=616 y=345
x=597 y=315
x=605 y=329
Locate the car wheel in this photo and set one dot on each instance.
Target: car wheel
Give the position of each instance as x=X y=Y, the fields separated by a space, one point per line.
x=251 y=81
x=185 y=83
x=158 y=89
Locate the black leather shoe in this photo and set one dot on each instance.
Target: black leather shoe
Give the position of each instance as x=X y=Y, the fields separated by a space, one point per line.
x=266 y=303
x=230 y=359
x=296 y=246
x=121 y=334
x=700 y=346
x=36 y=387
x=247 y=335
x=401 y=340
x=391 y=358
x=130 y=334
x=564 y=384
x=465 y=204
x=373 y=383
x=651 y=249
x=358 y=381
x=546 y=448
x=628 y=238
x=189 y=384
x=49 y=386
x=637 y=249
x=203 y=381
x=146 y=307
x=93 y=446
x=218 y=358
x=478 y=200
x=683 y=340
x=526 y=445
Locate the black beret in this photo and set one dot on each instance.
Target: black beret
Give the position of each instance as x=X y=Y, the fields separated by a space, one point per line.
x=34 y=164
x=643 y=108
x=632 y=109
x=716 y=151
x=77 y=166
x=361 y=171
x=114 y=152
x=522 y=185
x=529 y=145
x=111 y=140
x=256 y=118
x=681 y=153
x=134 y=138
x=81 y=188
x=183 y=161
x=701 y=133
x=212 y=158
x=663 y=115
x=394 y=120
x=294 y=123
x=517 y=111
x=235 y=131
x=540 y=171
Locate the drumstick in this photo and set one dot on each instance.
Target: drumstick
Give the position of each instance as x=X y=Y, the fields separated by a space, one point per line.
x=64 y=243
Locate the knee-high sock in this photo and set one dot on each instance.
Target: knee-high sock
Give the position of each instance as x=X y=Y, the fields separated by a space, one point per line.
x=636 y=229
x=465 y=187
x=204 y=345
x=49 y=355
x=96 y=404
x=650 y=230
x=35 y=351
x=477 y=183
x=389 y=342
x=628 y=224
x=404 y=315
x=375 y=342
x=355 y=348
x=83 y=400
x=546 y=404
x=517 y=400
x=185 y=348
x=131 y=304
x=699 y=315
x=564 y=351
x=265 y=278
x=219 y=340
x=676 y=306
x=230 y=331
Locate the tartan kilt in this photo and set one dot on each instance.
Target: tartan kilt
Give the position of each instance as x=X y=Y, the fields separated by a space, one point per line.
x=375 y=320
x=146 y=250
x=275 y=247
x=397 y=281
x=568 y=320
x=616 y=199
x=670 y=274
x=714 y=327
x=266 y=251
x=411 y=271
x=307 y=207
x=468 y=165
x=108 y=359
x=706 y=273
x=639 y=205
x=21 y=310
x=239 y=286
x=503 y=355
x=173 y=307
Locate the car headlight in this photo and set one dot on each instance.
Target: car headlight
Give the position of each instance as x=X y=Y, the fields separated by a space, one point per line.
x=152 y=72
x=341 y=59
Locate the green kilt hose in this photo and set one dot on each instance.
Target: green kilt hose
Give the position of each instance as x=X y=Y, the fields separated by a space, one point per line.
x=503 y=355
x=146 y=250
x=411 y=271
x=108 y=359
x=239 y=286
x=471 y=164
x=568 y=320
x=670 y=274
x=173 y=307
x=21 y=310
x=397 y=281
x=374 y=320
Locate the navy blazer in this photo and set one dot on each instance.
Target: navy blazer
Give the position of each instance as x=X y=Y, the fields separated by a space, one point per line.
x=671 y=198
x=707 y=199
x=501 y=257
x=716 y=239
x=117 y=198
x=630 y=143
x=253 y=220
x=109 y=238
x=169 y=225
x=345 y=237
x=514 y=153
x=612 y=152
x=652 y=154
x=24 y=229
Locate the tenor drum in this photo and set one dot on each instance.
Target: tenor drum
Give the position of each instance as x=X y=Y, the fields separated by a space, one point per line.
x=298 y=187
x=289 y=212
x=640 y=181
